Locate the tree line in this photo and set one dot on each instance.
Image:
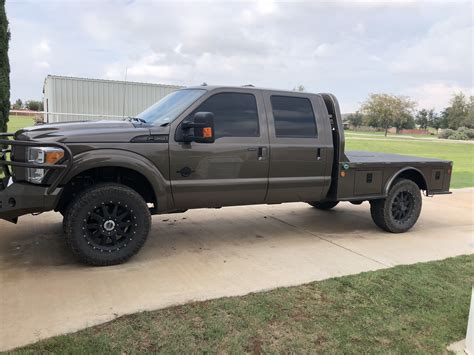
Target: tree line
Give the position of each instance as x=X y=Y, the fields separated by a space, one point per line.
x=32 y=105
x=384 y=111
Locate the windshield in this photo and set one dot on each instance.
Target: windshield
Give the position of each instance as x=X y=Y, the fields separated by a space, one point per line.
x=170 y=106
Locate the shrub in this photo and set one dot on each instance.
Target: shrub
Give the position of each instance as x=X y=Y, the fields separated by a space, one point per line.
x=469 y=132
x=38 y=118
x=462 y=133
x=446 y=133
x=34 y=105
x=459 y=136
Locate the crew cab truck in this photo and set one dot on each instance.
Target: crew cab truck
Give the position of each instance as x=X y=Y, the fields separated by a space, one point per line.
x=203 y=147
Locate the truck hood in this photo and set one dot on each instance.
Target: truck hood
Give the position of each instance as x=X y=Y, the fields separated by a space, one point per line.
x=85 y=131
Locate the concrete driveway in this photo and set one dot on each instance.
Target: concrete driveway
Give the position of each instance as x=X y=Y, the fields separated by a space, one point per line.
x=205 y=254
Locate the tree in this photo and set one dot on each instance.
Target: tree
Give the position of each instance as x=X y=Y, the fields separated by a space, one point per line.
x=299 y=88
x=18 y=104
x=457 y=114
x=404 y=120
x=34 y=105
x=4 y=68
x=470 y=113
x=435 y=120
x=355 y=119
x=422 y=118
x=386 y=111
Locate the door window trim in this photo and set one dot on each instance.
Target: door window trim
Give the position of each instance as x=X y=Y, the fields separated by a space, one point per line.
x=205 y=99
x=274 y=133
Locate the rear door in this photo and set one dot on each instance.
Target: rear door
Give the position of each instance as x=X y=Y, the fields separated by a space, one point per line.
x=234 y=169
x=301 y=147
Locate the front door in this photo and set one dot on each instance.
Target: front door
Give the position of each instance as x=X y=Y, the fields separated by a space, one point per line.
x=301 y=147
x=234 y=169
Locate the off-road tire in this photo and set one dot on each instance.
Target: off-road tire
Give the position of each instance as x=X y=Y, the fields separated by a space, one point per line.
x=324 y=205
x=399 y=211
x=93 y=246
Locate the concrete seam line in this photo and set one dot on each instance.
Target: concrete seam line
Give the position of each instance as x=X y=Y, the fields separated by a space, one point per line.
x=326 y=240
x=329 y=241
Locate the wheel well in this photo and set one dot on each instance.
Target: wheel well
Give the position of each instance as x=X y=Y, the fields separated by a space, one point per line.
x=124 y=176
x=413 y=175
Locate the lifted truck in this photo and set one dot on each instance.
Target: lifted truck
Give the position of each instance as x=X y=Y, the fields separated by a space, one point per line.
x=203 y=147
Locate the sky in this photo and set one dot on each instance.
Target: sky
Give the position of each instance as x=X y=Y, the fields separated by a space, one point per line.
x=421 y=49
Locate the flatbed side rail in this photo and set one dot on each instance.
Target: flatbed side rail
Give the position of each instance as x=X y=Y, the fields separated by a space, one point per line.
x=6 y=147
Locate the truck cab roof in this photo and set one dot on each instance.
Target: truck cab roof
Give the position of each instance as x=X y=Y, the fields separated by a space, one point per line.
x=246 y=87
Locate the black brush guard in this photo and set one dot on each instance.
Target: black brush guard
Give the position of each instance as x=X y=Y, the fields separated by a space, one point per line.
x=7 y=144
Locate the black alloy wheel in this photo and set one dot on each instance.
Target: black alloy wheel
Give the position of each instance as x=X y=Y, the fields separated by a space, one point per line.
x=107 y=224
x=110 y=226
x=402 y=206
x=399 y=211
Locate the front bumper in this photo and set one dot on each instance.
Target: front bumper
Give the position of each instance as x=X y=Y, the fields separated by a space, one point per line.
x=17 y=199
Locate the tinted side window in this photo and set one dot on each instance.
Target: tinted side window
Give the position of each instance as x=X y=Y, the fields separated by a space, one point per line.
x=235 y=115
x=294 y=117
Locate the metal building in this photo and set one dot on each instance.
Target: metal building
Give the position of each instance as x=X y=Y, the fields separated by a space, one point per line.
x=74 y=99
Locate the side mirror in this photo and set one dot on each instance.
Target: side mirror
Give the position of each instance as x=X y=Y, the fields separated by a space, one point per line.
x=200 y=129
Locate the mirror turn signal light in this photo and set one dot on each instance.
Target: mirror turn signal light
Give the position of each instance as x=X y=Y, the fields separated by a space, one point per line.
x=207 y=132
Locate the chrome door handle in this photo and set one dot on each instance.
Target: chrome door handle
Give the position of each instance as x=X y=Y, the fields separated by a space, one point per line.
x=262 y=153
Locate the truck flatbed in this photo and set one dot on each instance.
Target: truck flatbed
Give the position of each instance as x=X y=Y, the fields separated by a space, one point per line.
x=361 y=157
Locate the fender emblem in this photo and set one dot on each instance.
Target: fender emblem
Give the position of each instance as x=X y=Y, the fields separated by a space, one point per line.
x=185 y=172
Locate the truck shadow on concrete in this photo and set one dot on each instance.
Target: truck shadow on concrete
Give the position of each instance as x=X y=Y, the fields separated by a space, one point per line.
x=33 y=245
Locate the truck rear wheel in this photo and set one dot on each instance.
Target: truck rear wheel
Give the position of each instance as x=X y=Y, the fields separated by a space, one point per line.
x=400 y=210
x=107 y=224
x=324 y=205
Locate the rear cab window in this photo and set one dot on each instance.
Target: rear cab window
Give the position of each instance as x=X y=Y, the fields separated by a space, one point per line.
x=293 y=117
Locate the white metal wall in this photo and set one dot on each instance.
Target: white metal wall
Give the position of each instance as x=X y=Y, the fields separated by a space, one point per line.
x=73 y=99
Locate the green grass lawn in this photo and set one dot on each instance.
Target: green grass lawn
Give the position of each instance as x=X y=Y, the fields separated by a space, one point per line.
x=461 y=153
x=389 y=135
x=18 y=122
x=411 y=309
x=14 y=124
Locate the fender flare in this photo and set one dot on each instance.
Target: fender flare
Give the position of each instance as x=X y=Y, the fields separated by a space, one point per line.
x=99 y=158
x=396 y=174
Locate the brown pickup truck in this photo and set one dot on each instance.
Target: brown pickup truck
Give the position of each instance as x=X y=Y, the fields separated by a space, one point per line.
x=203 y=147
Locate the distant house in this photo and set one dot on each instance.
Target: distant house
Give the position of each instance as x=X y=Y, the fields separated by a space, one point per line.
x=78 y=99
x=345 y=121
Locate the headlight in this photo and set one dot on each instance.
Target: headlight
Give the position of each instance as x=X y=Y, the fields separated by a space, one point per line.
x=38 y=155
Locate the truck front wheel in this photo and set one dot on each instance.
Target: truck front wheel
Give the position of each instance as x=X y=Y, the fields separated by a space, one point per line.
x=107 y=224
x=324 y=205
x=400 y=210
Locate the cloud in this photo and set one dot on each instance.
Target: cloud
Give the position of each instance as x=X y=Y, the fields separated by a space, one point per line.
x=40 y=52
x=324 y=50
x=42 y=64
x=42 y=48
x=436 y=95
x=445 y=48
x=266 y=7
x=350 y=48
x=375 y=58
x=359 y=28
